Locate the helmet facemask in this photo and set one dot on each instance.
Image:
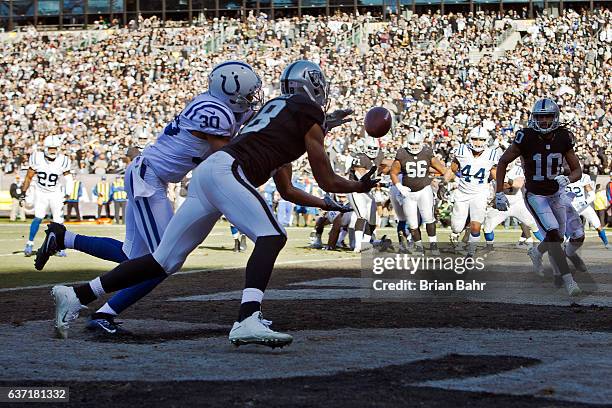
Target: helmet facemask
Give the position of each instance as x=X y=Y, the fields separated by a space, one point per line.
x=414 y=147
x=478 y=144
x=544 y=117
x=51 y=153
x=544 y=122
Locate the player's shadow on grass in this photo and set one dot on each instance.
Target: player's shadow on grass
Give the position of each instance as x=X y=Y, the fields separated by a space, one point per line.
x=216 y=248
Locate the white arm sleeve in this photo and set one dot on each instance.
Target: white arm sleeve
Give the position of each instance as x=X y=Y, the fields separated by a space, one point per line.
x=69 y=183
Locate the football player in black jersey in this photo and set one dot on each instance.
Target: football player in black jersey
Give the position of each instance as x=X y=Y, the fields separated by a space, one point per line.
x=413 y=190
x=543 y=147
x=363 y=222
x=225 y=183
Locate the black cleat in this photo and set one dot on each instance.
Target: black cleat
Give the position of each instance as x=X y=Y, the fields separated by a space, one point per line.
x=54 y=242
x=236 y=245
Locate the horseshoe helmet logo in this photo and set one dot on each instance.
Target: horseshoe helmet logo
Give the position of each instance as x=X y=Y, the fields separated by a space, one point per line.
x=237 y=85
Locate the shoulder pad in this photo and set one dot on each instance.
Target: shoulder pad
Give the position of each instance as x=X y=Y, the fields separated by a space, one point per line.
x=207 y=115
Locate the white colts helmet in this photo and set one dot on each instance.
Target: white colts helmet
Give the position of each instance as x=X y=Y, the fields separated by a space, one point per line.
x=52 y=142
x=544 y=107
x=414 y=140
x=237 y=85
x=371 y=147
x=478 y=139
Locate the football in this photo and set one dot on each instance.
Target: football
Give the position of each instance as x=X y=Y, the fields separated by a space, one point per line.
x=378 y=121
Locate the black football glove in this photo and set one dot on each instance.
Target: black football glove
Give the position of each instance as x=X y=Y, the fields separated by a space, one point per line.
x=337 y=118
x=442 y=190
x=367 y=181
x=332 y=205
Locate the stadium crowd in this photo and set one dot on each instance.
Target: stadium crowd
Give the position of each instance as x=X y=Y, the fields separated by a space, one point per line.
x=122 y=90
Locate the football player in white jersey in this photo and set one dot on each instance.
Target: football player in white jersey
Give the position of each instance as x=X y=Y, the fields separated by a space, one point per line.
x=207 y=123
x=474 y=165
x=514 y=181
x=583 y=195
x=48 y=166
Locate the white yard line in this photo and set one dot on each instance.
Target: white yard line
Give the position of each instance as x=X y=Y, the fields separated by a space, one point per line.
x=190 y=272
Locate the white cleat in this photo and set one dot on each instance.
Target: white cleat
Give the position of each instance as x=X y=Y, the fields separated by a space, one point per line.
x=29 y=248
x=536 y=259
x=256 y=330
x=67 y=308
x=571 y=286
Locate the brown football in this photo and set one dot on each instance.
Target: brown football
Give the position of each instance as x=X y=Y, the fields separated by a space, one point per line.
x=377 y=121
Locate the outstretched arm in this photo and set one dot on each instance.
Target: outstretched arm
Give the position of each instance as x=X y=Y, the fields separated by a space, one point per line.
x=289 y=192
x=322 y=169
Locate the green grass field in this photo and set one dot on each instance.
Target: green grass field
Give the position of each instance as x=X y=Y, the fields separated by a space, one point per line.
x=215 y=253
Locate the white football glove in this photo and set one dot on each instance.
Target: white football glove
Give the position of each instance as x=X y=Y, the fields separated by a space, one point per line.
x=501 y=201
x=563 y=181
x=403 y=190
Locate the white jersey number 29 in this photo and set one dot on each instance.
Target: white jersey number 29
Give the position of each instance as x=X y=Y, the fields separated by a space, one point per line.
x=262 y=119
x=47 y=180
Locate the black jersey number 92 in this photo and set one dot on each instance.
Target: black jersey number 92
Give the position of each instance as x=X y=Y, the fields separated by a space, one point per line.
x=543 y=159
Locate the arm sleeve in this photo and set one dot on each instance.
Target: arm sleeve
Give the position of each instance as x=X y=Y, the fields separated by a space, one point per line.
x=69 y=183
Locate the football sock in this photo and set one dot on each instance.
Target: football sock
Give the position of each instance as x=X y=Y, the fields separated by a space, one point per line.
x=69 y=238
x=401 y=228
x=489 y=236
x=522 y=239
x=556 y=251
x=602 y=236
x=108 y=249
x=107 y=310
x=358 y=240
x=34 y=226
x=124 y=275
x=342 y=235
x=234 y=231
x=251 y=302
x=127 y=297
x=474 y=237
x=538 y=234
x=433 y=238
